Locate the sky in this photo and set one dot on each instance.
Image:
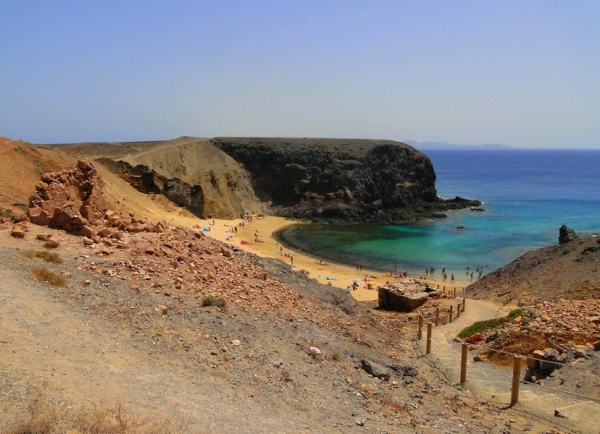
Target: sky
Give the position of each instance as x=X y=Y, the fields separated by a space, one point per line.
x=522 y=73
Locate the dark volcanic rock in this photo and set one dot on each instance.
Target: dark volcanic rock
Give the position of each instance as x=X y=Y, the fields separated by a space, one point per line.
x=566 y=235
x=189 y=196
x=375 y=369
x=340 y=179
x=147 y=181
x=140 y=177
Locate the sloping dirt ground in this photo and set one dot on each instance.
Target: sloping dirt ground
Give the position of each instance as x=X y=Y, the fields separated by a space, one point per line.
x=107 y=339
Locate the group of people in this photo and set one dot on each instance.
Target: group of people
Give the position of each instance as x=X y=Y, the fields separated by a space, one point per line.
x=431 y=270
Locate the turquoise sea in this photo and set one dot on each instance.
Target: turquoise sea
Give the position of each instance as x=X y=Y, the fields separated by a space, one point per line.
x=527 y=195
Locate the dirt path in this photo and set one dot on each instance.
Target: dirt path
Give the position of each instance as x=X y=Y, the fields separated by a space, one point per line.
x=493 y=383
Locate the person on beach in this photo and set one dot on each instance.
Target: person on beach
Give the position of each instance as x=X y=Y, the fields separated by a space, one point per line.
x=292 y=259
x=471 y=276
x=452 y=278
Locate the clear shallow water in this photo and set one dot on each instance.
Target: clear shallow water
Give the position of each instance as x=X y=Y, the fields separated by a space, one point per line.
x=527 y=196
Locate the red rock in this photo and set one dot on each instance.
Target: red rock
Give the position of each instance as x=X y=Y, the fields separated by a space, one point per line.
x=18 y=232
x=86 y=231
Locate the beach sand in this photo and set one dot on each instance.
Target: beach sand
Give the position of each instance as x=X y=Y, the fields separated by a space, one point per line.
x=338 y=275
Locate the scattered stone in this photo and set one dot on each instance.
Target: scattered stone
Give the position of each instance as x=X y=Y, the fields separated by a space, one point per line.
x=161 y=308
x=405 y=370
x=18 y=232
x=313 y=351
x=559 y=413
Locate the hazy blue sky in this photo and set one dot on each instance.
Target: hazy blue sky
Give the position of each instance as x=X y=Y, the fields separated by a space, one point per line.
x=520 y=73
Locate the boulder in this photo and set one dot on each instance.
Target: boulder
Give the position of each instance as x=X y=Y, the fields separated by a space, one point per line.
x=566 y=235
x=375 y=369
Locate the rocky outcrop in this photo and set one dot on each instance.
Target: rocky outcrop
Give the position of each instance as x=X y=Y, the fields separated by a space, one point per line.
x=73 y=200
x=339 y=179
x=566 y=235
x=69 y=199
x=549 y=273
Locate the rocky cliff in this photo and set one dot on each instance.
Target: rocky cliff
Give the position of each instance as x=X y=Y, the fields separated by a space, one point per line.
x=340 y=179
x=325 y=179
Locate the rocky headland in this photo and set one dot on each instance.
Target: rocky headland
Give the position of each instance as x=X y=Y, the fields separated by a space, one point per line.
x=339 y=180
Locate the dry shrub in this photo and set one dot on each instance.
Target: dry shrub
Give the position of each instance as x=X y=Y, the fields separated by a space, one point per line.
x=401 y=409
x=213 y=301
x=45 y=275
x=335 y=356
x=365 y=389
x=286 y=376
x=45 y=415
x=46 y=256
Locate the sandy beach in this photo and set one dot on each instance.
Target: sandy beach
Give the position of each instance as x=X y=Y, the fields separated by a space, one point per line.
x=256 y=236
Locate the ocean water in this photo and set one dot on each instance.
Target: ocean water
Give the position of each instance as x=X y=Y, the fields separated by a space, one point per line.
x=527 y=195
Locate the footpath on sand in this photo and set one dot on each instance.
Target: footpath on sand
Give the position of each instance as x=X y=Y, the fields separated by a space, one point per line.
x=493 y=383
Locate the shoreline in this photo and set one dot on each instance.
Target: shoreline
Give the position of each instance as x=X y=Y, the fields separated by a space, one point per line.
x=259 y=238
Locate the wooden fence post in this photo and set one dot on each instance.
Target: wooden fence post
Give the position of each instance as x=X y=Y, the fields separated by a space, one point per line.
x=464 y=302
x=463 y=362
x=420 y=332
x=454 y=292
x=457 y=310
x=437 y=316
x=514 y=395
x=428 y=346
x=450 y=313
